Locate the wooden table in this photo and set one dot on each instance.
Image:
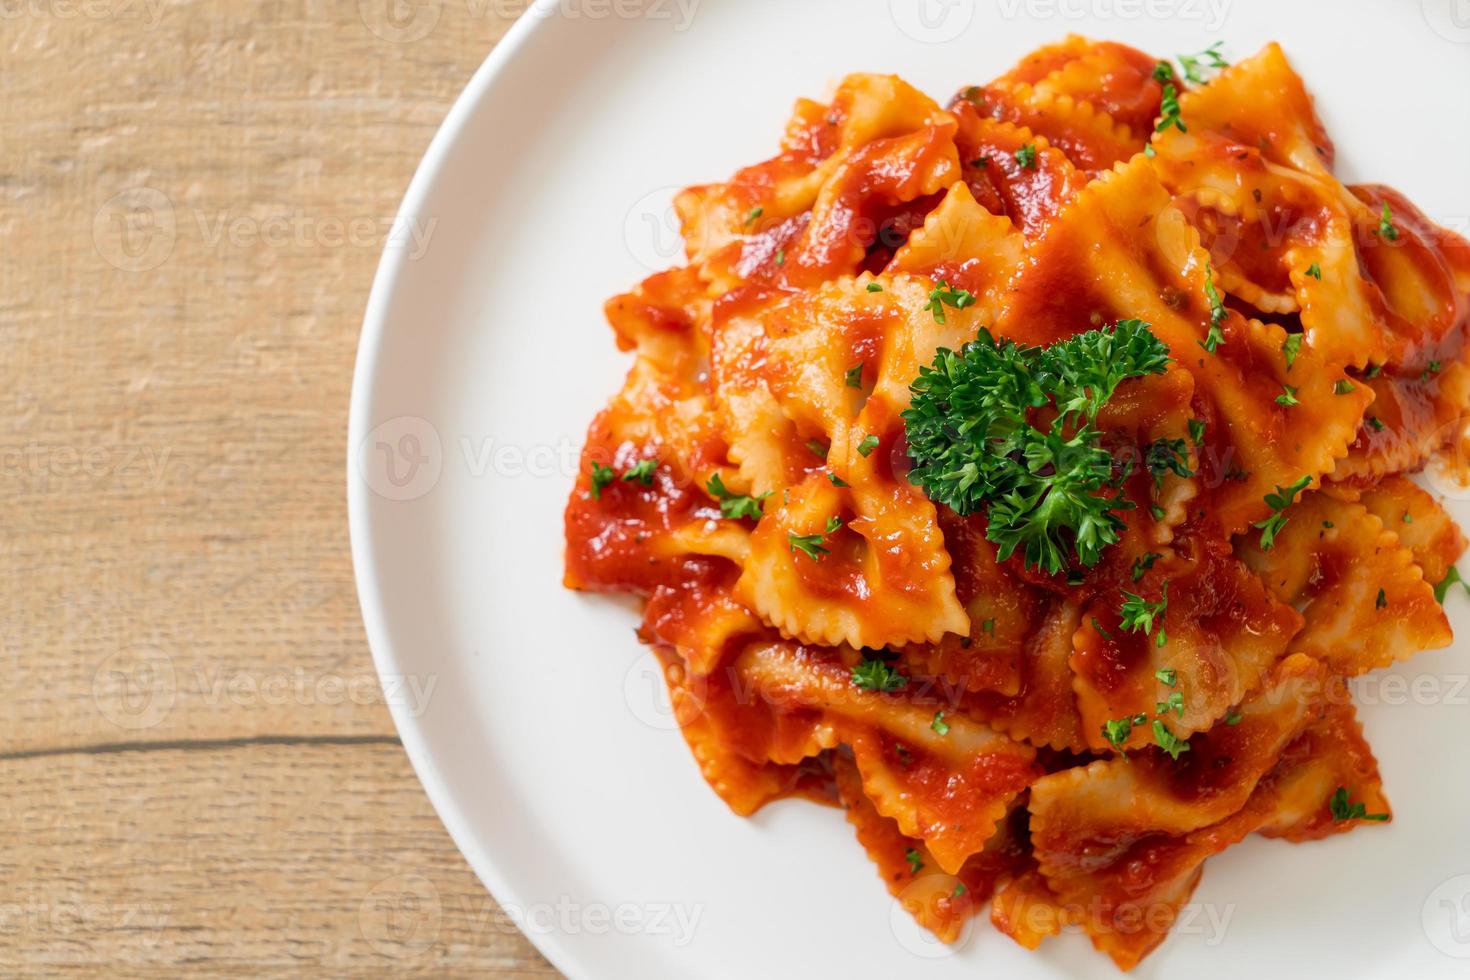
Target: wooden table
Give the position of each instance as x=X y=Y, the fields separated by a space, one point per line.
x=197 y=770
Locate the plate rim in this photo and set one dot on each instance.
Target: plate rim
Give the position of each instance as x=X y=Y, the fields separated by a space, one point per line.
x=359 y=423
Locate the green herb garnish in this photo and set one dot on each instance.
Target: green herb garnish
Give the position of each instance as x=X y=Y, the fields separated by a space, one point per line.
x=732 y=505
x=876 y=675
x=973 y=445
x=1278 y=502
x=1342 y=810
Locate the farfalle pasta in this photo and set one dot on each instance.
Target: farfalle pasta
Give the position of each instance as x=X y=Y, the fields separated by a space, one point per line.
x=1027 y=475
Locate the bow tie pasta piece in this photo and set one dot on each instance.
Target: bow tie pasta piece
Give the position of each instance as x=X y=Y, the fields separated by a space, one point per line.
x=1128 y=902
x=852 y=207
x=1277 y=415
x=698 y=617
x=1047 y=94
x=1088 y=815
x=963 y=245
x=1043 y=712
x=1116 y=80
x=879 y=577
x=1011 y=171
x=818 y=139
x=735 y=741
x=940 y=902
x=949 y=790
x=1365 y=601
x=1004 y=615
x=1260 y=103
x=1414 y=415
x=764 y=443
x=1330 y=759
x=651 y=442
x=1221 y=632
x=1420 y=523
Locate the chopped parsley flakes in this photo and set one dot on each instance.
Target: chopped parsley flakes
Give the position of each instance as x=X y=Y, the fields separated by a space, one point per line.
x=732 y=505
x=1279 y=502
x=1387 y=230
x=942 y=296
x=1341 y=809
x=876 y=675
x=808 y=544
x=642 y=471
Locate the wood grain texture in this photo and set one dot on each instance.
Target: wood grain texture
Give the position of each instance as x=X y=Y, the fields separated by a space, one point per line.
x=193 y=198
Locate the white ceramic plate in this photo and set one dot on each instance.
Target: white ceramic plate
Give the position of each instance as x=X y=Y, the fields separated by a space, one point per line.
x=533 y=717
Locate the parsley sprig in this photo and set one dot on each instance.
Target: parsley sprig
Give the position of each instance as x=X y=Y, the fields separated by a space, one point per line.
x=973 y=444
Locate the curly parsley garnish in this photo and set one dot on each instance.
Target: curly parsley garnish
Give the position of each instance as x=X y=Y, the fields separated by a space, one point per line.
x=973 y=445
x=1026 y=156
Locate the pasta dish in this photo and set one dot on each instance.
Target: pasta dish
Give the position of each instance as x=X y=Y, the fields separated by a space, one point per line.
x=1028 y=476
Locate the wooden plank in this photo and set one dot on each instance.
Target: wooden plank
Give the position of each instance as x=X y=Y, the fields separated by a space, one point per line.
x=193 y=198
x=270 y=859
